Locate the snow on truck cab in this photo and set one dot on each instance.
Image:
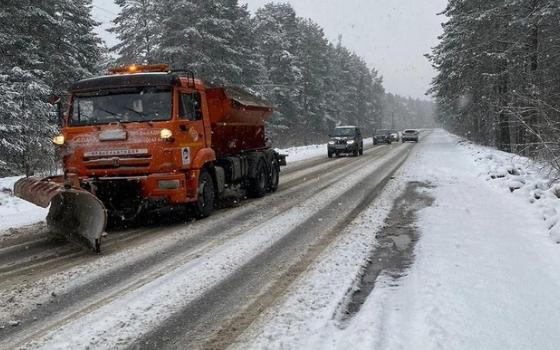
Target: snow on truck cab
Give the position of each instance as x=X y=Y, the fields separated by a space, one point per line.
x=146 y=137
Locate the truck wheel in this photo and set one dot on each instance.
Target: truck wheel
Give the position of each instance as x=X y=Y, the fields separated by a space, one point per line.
x=257 y=185
x=362 y=151
x=356 y=152
x=274 y=176
x=204 y=205
x=330 y=154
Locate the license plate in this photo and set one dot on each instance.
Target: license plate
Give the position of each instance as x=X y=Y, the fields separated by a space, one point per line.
x=116 y=152
x=112 y=135
x=340 y=146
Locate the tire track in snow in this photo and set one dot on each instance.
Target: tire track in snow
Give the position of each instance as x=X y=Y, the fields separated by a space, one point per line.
x=216 y=318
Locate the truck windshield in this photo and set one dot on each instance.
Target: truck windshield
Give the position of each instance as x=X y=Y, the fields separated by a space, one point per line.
x=344 y=132
x=139 y=104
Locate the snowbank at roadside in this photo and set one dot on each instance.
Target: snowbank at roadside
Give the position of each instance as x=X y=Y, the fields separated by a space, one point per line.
x=15 y=212
x=524 y=178
x=303 y=152
x=299 y=153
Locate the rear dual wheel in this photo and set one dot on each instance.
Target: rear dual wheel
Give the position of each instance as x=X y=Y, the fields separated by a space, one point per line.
x=264 y=181
x=274 y=178
x=258 y=184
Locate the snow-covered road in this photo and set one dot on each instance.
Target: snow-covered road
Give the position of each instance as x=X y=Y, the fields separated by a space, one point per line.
x=353 y=253
x=149 y=280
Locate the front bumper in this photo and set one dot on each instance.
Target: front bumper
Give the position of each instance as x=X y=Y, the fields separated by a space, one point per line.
x=344 y=148
x=410 y=138
x=169 y=188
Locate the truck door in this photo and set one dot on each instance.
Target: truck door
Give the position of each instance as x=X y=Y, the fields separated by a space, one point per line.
x=191 y=125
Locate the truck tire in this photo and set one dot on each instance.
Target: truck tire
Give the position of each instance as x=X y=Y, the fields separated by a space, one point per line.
x=362 y=150
x=204 y=205
x=274 y=179
x=330 y=154
x=258 y=184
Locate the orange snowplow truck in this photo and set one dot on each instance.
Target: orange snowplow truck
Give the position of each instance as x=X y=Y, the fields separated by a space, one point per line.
x=146 y=137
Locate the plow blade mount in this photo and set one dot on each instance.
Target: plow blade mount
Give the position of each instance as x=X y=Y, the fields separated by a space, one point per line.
x=75 y=214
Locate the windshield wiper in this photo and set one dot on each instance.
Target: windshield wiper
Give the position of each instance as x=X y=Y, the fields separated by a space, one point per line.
x=135 y=111
x=108 y=111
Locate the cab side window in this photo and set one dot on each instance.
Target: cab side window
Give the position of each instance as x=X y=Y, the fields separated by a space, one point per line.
x=190 y=107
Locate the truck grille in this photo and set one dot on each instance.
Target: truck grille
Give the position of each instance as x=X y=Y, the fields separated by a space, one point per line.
x=117 y=159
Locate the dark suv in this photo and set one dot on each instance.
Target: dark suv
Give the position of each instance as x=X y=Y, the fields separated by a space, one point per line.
x=347 y=140
x=382 y=136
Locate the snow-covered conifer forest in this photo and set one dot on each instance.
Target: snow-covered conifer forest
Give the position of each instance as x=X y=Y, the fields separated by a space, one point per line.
x=313 y=83
x=498 y=79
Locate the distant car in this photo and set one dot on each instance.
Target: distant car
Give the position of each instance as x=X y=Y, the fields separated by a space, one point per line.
x=410 y=135
x=382 y=136
x=395 y=136
x=345 y=140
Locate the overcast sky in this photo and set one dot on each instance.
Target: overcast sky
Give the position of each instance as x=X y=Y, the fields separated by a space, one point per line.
x=391 y=35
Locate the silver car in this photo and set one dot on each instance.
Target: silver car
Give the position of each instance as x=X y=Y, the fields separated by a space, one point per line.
x=410 y=135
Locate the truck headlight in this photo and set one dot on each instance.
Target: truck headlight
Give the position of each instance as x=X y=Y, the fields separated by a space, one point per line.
x=58 y=140
x=350 y=142
x=331 y=142
x=166 y=134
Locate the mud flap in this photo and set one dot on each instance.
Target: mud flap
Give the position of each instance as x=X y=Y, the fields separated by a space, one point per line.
x=74 y=214
x=79 y=217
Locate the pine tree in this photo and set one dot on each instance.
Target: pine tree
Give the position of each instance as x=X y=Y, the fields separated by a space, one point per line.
x=44 y=46
x=312 y=63
x=207 y=37
x=138 y=29
x=277 y=36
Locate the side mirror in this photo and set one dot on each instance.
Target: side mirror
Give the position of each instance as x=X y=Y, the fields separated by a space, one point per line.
x=55 y=101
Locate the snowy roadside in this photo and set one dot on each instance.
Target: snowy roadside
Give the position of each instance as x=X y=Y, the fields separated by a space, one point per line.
x=485 y=274
x=15 y=212
x=528 y=180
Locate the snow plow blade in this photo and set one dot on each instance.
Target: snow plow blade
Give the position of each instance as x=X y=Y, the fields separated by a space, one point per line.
x=75 y=214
